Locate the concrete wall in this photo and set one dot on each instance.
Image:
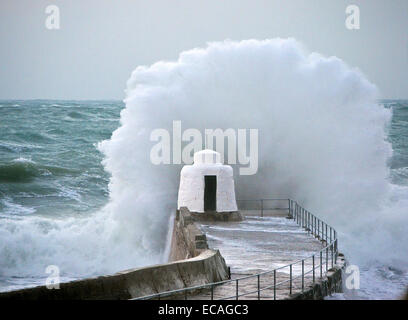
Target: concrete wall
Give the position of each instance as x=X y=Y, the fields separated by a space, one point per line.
x=208 y=267
x=194 y=264
x=187 y=240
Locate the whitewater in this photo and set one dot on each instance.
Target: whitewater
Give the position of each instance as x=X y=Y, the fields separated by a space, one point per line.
x=324 y=140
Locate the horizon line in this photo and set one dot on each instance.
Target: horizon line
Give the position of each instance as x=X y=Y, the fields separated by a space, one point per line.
x=120 y=100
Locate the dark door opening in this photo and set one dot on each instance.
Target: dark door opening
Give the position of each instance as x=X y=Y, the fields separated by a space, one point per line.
x=210 y=193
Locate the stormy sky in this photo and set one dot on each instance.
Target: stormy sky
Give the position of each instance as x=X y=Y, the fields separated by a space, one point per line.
x=100 y=42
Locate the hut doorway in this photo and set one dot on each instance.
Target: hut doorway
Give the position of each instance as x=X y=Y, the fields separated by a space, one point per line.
x=210 y=193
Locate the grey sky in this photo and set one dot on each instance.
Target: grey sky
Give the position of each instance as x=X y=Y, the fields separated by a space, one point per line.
x=101 y=41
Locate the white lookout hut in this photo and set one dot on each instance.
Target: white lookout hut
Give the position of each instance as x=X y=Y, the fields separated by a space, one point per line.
x=207 y=185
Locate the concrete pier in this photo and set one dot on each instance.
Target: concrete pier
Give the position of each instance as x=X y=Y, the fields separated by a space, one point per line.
x=261 y=251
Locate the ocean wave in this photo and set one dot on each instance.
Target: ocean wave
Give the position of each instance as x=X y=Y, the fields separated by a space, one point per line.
x=76 y=115
x=26 y=170
x=18 y=171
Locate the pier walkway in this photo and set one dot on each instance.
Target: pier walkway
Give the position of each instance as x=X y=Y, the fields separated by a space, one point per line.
x=278 y=250
x=257 y=245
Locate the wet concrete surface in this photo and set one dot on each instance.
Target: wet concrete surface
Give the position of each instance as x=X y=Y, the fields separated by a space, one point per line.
x=260 y=244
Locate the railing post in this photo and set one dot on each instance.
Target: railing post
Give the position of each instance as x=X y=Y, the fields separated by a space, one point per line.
x=304 y=218
x=327 y=259
x=331 y=234
x=296 y=216
x=274 y=284
x=303 y=275
x=299 y=216
x=313 y=258
x=315 y=228
x=335 y=251
x=321 y=264
x=290 y=280
x=323 y=238
x=297 y=213
x=305 y=221
x=261 y=207
x=289 y=213
x=332 y=257
x=322 y=231
x=212 y=292
x=236 y=290
x=259 y=288
x=326 y=233
x=312 y=224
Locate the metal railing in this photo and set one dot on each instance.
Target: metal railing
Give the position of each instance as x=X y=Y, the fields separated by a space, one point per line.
x=261 y=205
x=319 y=262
